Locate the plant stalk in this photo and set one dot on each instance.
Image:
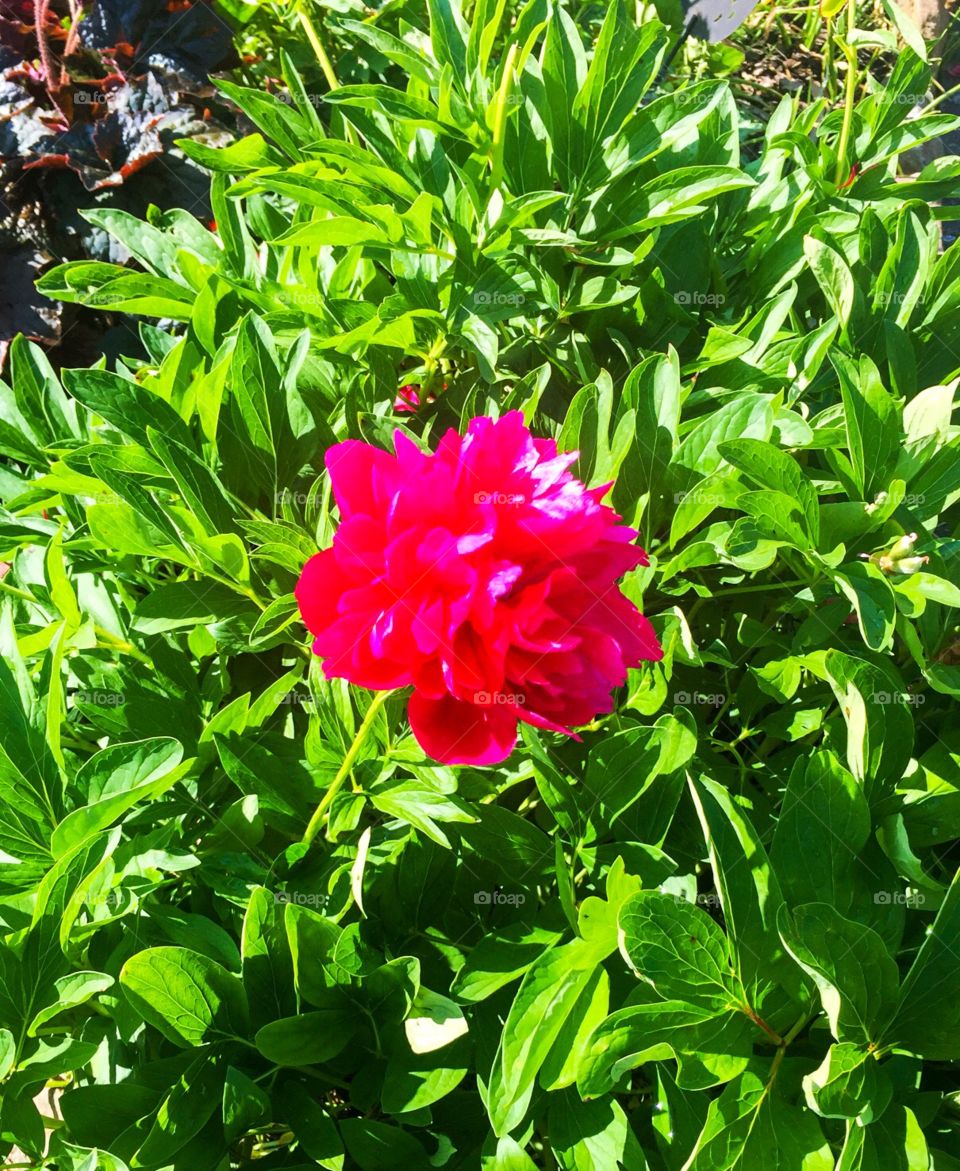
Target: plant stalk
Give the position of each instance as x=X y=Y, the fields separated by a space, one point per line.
x=318 y=47
x=50 y=71
x=500 y=118
x=850 y=53
x=344 y=771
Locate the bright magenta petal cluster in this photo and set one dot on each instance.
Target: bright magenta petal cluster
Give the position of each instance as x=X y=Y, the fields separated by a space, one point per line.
x=482 y=575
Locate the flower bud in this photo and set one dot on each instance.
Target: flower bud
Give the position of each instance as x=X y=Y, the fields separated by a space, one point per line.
x=907 y=565
x=903 y=547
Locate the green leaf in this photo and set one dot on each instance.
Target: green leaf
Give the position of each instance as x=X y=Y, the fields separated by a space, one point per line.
x=546 y=997
x=679 y=950
x=849 y=1083
x=184 y=1111
x=892 y=1142
x=825 y=815
x=928 y=1017
x=501 y=957
x=872 y=423
x=710 y=1048
x=834 y=277
x=114 y=780
x=448 y=35
x=873 y=601
x=748 y=416
x=592 y=1136
x=245 y=1104
x=749 y=893
x=378 y=1146
x=392 y=104
x=312 y=1037
x=880 y=730
x=750 y=1126
x=857 y=979
x=267 y=962
x=189 y=998
x=71 y=991
x=8 y=1052
x=313 y=1126
x=770 y=468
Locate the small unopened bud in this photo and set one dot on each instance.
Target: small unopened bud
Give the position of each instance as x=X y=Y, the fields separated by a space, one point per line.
x=903 y=547
x=909 y=564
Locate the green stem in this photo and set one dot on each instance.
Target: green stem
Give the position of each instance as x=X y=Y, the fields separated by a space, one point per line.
x=762 y=1024
x=797 y=1027
x=17 y=593
x=344 y=771
x=500 y=117
x=121 y=645
x=850 y=53
x=829 y=69
x=318 y=47
x=752 y=589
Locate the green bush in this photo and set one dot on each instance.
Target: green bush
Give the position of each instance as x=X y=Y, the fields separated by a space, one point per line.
x=719 y=931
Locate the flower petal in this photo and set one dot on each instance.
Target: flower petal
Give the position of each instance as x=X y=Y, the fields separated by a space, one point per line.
x=456 y=731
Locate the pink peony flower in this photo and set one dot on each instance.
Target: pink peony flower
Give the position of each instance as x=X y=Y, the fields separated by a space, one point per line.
x=484 y=576
x=407 y=400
